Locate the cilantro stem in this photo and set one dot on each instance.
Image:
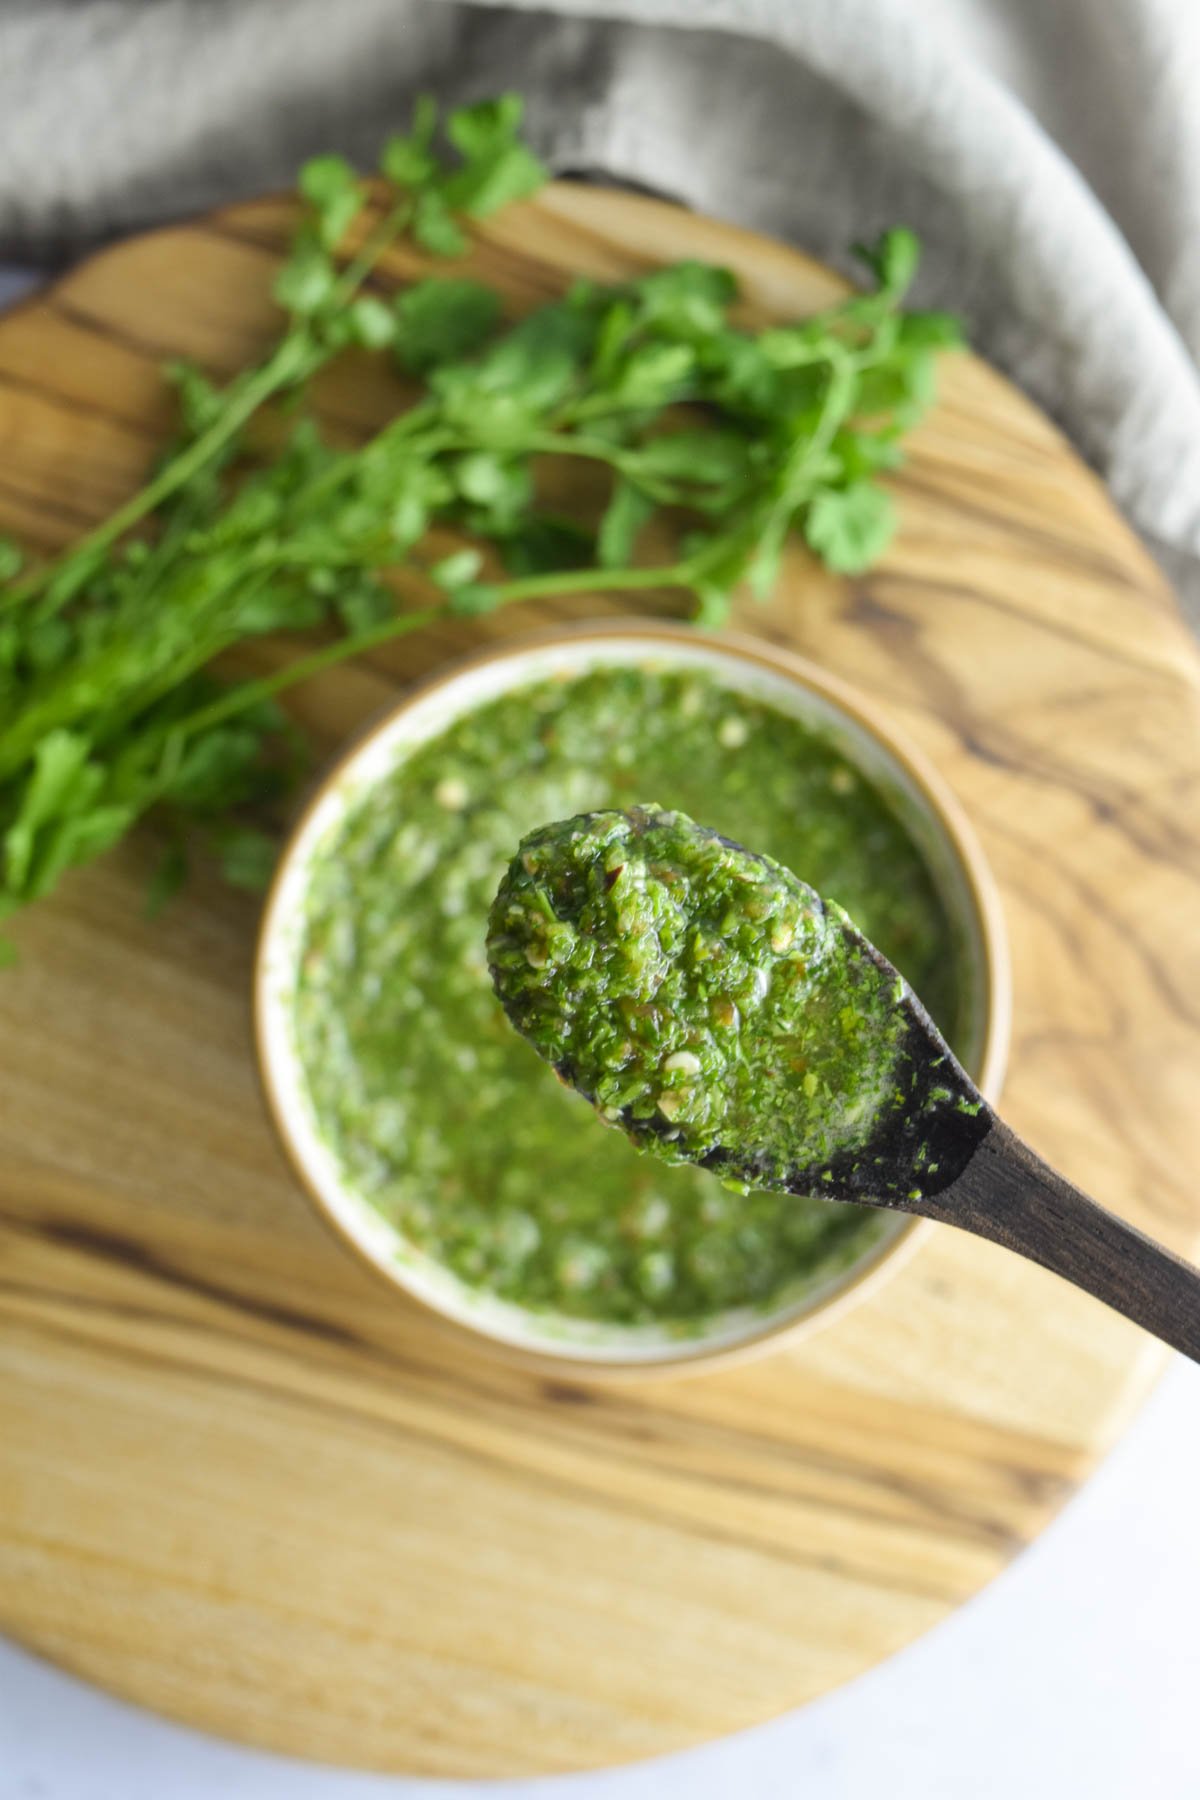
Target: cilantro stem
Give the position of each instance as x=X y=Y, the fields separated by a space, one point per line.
x=626 y=462
x=803 y=463
x=119 y=627
x=835 y=408
x=284 y=366
x=598 y=581
x=265 y=687
x=531 y=587
x=377 y=241
x=297 y=356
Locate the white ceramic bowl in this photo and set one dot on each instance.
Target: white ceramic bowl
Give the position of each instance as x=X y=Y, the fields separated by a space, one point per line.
x=764 y=673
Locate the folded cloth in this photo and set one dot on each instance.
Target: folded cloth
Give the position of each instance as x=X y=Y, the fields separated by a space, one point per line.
x=1047 y=151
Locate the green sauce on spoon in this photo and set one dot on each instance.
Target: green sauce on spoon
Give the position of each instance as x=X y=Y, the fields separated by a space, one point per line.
x=717 y=1009
x=714 y=1007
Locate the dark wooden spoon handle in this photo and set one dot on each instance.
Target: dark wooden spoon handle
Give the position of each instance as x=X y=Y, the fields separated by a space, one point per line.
x=1011 y=1196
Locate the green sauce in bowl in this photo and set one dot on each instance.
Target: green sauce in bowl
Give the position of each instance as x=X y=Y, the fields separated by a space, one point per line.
x=446 y=1122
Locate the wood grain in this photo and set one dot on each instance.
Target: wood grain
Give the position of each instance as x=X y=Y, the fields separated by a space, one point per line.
x=242 y=1484
x=1010 y=1196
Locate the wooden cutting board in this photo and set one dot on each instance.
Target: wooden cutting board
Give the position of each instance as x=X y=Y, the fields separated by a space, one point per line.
x=242 y=1484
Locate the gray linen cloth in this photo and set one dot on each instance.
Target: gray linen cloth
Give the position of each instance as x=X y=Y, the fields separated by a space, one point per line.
x=1047 y=151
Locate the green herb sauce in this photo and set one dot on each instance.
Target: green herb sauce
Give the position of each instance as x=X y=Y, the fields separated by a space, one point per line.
x=446 y=1120
x=699 y=995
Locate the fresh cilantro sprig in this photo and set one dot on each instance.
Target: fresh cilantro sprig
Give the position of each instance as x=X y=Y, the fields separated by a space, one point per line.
x=727 y=440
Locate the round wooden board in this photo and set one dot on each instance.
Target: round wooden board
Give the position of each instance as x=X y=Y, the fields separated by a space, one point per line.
x=242 y=1484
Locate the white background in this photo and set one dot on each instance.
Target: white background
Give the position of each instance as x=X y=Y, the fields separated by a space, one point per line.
x=1076 y=1674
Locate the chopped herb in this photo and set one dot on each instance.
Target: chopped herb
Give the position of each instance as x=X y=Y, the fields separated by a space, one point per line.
x=597 y=979
x=437 y=1113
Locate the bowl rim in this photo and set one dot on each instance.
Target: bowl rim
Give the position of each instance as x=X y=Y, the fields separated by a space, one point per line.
x=872 y=718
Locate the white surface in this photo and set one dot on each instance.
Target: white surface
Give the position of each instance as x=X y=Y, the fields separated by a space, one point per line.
x=1076 y=1673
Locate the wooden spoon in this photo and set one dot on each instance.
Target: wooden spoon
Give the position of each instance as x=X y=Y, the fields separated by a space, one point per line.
x=934 y=1147
x=990 y=1182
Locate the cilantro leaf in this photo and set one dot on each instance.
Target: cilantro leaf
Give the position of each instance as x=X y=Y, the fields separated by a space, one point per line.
x=306 y=280
x=63 y=782
x=330 y=185
x=929 y=330
x=457 y=569
x=893 y=260
x=712 y=605
x=512 y=173
x=167 y=879
x=850 y=527
x=652 y=375
x=539 y=544
x=107 y=711
x=361 y=603
x=324 y=179
x=374 y=322
x=248 y=856
x=497 y=488
x=486 y=127
x=408 y=161
x=442 y=319
x=711 y=457
x=497 y=168
x=434 y=227
x=471 y=598
x=688 y=300
x=627 y=512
